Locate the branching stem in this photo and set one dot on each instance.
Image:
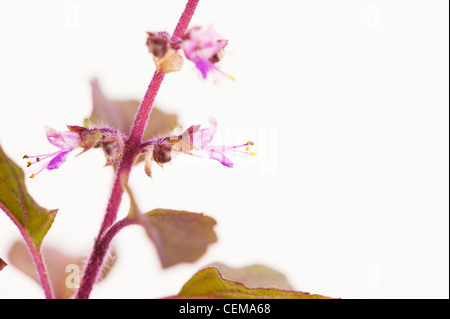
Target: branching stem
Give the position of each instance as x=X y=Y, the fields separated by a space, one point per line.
x=132 y=148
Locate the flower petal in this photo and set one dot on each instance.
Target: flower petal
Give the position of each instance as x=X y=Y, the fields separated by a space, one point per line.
x=49 y=131
x=55 y=138
x=203 y=137
x=71 y=139
x=57 y=161
x=205 y=66
x=218 y=156
x=63 y=140
x=201 y=46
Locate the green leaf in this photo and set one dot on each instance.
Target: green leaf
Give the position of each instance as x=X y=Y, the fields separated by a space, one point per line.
x=209 y=283
x=179 y=236
x=32 y=220
x=254 y=276
x=3 y=264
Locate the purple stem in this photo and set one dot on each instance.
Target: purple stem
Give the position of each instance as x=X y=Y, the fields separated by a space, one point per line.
x=131 y=150
x=154 y=141
x=99 y=252
x=41 y=269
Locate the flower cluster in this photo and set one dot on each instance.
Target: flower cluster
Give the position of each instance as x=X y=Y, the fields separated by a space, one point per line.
x=193 y=140
x=203 y=47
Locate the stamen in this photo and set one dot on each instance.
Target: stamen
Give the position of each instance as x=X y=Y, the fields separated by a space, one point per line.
x=253 y=153
x=232 y=78
x=44 y=156
x=38 y=159
x=233 y=147
x=39 y=169
x=238 y=152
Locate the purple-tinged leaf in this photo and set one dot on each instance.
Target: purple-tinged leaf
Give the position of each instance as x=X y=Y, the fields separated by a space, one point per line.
x=179 y=236
x=32 y=220
x=64 y=270
x=120 y=115
x=3 y=264
x=254 y=276
x=209 y=283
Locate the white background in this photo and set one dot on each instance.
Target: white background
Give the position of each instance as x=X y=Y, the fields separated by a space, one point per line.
x=347 y=102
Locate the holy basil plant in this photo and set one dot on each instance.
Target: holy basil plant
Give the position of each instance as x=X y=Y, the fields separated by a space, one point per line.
x=127 y=134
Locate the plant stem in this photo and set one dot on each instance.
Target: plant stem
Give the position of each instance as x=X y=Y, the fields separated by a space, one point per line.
x=131 y=150
x=183 y=23
x=40 y=266
x=99 y=252
x=43 y=274
x=155 y=141
x=114 y=229
x=35 y=255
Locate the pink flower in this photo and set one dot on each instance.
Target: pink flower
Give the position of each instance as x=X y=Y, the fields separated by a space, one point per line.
x=66 y=141
x=200 y=139
x=203 y=47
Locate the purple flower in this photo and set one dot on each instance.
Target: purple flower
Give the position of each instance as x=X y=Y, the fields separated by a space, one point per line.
x=66 y=141
x=204 y=47
x=195 y=138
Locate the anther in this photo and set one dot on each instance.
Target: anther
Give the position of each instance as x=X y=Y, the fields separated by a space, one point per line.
x=250 y=143
x=32 y=175
x=25 y=156
x=37 y=159
x=28 y=164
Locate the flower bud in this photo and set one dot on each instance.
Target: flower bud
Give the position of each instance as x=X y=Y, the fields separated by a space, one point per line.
x=165 y=55
x=112 y=147
x=111 y=141
x=158 y=43
x=161 y=153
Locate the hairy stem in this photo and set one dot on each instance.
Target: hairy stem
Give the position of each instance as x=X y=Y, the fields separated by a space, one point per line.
x=35 y=255
x=155 y=141
x=101 y=247
x=131 y=150
x=41 y=269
